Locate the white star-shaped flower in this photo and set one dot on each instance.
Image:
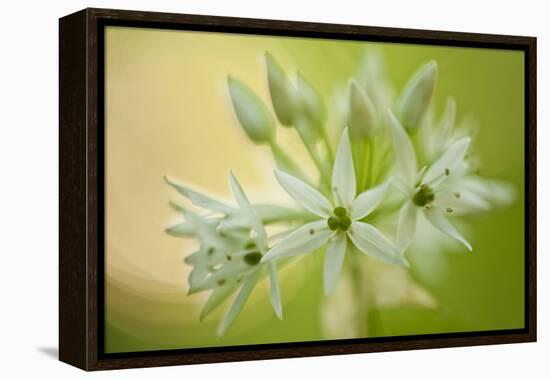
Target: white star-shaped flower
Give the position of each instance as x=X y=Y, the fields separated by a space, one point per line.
x=339 y=220
x=228 y=261
x=427 y=190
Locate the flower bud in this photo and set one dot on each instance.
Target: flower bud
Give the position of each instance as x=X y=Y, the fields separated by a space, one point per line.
x=251 y=112
x=416 y=96
x=281 y=90
x=309 y=132
x=362 y=121
x=311 y=103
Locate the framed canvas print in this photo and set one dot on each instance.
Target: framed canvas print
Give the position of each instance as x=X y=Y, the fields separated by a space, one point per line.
x=237 y=189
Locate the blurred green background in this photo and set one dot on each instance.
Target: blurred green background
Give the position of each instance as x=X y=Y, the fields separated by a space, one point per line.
x=168 y=112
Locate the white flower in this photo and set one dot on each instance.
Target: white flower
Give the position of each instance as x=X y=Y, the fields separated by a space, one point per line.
x=427 y=190
x=226 y=218
x=227 y=261
x=338 y=220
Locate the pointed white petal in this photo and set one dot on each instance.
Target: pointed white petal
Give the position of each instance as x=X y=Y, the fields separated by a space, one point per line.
x=404 y=151
x=197 y=277
x=200 y=199
x=406 y=225
x=447 y=123
x=334 y=258
x=269 y=213
x=367 y=202
x=493 y=191
x=372 y=242
x=249 y=211
x=303 y=240
x=275 y=290
x=229 y=271
x=238 y=304
x=438 y=219
x=206 y=230
x=343 y=173
x=184 y=229
x=451 y=159
x=462 y=201
x=305 y=195
x=216 y=298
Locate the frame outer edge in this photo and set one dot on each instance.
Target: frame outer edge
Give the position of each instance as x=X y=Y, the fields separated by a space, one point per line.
x=79 y=163
x=72 y=190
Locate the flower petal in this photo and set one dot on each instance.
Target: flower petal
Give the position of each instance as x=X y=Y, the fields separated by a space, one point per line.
x=334 y=258
x=206 y=230
x=372 y=242
x=367 y=201
x=404 y=151
x=343 y=174
x=216 y=298
x=303 y=240
x=184 y=229
x=275 y=290
x=406 y=225
x=447 y=123
x=197 y=277
x=238 y=304
x=200 y=199
x=439 y=220
x=448 y=162
x=305 y=195
x=493 y=191
x=249 y=211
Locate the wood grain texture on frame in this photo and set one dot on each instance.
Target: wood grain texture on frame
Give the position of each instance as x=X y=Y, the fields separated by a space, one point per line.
x=81 y=203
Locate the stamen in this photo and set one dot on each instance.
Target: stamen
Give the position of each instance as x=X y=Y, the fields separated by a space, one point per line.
x=228 y=257
x=457 y=195
x=449 y=210
x=311 y=231
x=221 y=282
x=250 y=245
x=428 y=207
x=210 y=251
x=447 y=172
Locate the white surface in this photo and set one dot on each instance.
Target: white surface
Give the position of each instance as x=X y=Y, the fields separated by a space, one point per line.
x=28 y=201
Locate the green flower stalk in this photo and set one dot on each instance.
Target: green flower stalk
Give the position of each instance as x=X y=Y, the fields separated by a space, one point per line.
x=311 y=104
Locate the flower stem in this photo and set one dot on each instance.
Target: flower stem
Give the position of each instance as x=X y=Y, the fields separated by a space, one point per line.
x=362 y=302
x=327 y=144
x=314 y=154
x=284 y=162
x=365 y=165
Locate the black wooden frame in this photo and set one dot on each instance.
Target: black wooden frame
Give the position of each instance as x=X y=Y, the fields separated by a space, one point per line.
x=81 y=204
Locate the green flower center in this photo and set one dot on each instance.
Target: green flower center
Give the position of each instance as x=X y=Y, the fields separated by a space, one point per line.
x=423 y=196
x=253 y=258
x=340 y=219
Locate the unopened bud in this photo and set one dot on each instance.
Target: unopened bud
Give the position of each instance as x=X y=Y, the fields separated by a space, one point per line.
x=362 y=121
x=253 y=115
x=281 y=90
x=415 y=98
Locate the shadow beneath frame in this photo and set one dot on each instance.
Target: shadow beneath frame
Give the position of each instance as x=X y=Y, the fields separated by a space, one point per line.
x=50 y=351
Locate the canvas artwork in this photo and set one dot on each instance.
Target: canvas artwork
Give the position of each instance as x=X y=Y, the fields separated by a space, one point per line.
x=274 y=189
